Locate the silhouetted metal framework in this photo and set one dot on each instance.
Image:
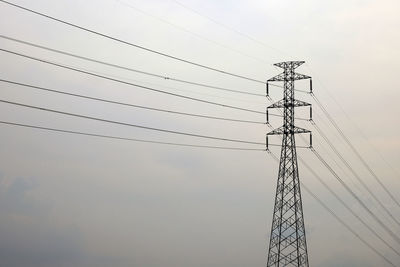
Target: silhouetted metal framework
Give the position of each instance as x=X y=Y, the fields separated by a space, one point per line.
x=288 y=246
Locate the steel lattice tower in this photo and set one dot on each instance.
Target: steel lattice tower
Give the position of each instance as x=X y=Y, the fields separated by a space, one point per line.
x=288 y=246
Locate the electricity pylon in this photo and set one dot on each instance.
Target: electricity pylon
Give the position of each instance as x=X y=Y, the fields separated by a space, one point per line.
x=288 y=246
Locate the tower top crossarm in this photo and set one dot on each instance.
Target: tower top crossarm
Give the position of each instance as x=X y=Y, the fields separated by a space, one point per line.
x=289 y=64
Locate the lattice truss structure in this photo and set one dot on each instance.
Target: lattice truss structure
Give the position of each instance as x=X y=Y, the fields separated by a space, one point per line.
x=288 y=246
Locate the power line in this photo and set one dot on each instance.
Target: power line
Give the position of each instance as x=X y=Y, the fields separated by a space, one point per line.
x=165 y=86
x=129 y=83
x=228 y=27
x=347 y=164
x=362 y=133
x=139 y=86
x=390 y=232
x=347 y=206
x=359 y=130
x=164 y=77
x=375 y=233
x=332 y=157
x=334 y=160
x=202 y=37
x=220 y=24
x=132 y=44
x=137 y=126
x=337 y=217
x=124 y=138
x=127 y=104
x=345 y=224
x=130 y=124
x=336 y=126
x=373 y=146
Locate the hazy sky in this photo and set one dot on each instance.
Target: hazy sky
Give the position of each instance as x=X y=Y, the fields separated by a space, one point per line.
x=70 y=200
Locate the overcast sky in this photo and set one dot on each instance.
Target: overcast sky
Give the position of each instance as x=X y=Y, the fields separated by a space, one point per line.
x=68 y=200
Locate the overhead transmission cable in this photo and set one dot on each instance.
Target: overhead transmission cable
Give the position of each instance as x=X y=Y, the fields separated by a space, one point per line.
x=125 y=138
x=137 y=85
x=396 y=238
x=396 y=172
x=332 y=157
x=349 y=167
x=165 y=86
x=352 y=147
x=335 y=161
x=140 y=46
x=341 y=201
x=197 y=35
x=346 y=205
x=374 y=147
x=128 y=83
x=130 y=124
x=229 y=27
x=346 y=225
x=337 y=217
x=348 y=189
x=236 y=32
x=128 y=104
x=132 y=44
x=355 y=174
x=164 y=77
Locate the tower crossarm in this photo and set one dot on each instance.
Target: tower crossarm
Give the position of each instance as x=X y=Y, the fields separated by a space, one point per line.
x=281 y=130
x=296 y=103
x=281 y=77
